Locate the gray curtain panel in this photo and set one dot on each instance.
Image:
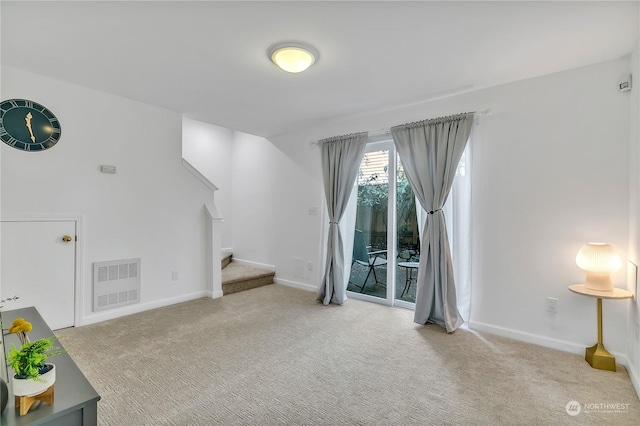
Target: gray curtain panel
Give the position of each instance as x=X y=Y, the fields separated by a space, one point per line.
x=430 y=151
x=341 y=156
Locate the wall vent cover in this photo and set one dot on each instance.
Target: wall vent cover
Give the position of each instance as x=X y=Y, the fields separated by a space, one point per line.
x=116 y=283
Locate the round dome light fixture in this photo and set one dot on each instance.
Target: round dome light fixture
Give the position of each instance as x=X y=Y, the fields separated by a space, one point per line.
x=293 y=57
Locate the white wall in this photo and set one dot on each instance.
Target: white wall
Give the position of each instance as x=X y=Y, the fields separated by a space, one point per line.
x=152 y=208
x=298 y=184
x=253 y=207
x=272 y=196
x=209 y=149
x=634 y=214
x=551 y=172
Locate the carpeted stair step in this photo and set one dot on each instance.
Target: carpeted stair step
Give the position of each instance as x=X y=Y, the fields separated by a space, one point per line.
x=236 y=277
x=226 y=258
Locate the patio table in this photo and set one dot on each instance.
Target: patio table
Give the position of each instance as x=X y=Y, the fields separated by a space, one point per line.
x=410 y=267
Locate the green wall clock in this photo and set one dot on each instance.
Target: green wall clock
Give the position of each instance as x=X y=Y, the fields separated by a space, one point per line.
x=27 y=125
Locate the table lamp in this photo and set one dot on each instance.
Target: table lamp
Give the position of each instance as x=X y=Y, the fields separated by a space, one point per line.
x=599 y=261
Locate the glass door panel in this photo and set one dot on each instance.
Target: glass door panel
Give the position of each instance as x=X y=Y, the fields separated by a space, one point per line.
x=407 y=238
x=370 y=256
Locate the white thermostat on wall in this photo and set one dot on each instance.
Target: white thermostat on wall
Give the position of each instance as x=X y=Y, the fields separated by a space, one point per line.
x=108 y=169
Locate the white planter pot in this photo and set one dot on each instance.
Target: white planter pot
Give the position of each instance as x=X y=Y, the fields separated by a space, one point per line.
x=30 y=387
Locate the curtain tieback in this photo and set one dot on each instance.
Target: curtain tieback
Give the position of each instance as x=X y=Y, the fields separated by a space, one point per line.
x=433 y=211
x=335 y=223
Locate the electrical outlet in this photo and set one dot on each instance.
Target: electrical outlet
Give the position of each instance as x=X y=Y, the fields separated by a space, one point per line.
x=174 y=276
x=552 y=305
x=309 y=266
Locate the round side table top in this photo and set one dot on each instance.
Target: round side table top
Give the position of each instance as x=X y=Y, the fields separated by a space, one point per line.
x=616 y=293
x=408 y=264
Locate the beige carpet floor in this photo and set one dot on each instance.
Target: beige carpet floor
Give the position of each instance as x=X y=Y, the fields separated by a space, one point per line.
x=273 y=356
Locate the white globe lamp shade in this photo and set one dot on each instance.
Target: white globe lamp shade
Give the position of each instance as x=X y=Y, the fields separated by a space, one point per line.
x=599 y=261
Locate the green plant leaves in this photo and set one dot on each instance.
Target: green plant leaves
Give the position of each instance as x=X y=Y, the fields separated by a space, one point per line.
x=29 y=359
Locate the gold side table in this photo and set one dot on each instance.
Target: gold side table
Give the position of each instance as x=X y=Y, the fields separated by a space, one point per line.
x=597 y=355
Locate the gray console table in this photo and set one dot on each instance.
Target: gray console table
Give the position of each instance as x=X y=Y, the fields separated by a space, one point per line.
x=75 y=400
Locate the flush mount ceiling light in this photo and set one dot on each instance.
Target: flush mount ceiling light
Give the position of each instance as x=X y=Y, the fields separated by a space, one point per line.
x=293 y=57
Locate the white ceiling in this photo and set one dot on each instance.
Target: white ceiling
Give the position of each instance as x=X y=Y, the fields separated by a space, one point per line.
x=209 y=61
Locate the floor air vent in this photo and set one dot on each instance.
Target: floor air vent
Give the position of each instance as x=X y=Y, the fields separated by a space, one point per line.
x=116 y=283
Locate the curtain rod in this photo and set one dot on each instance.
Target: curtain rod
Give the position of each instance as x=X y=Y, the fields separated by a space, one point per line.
x=388 y=130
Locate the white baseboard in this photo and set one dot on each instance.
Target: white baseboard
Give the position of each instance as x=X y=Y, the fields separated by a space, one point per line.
x=254 y=264
x=633 y=374
x=141 y=307
x=561 y=345
x=295 y=284
x=214 y=294
x=536 y=339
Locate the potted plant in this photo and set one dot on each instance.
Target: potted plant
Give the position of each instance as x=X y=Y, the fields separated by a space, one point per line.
x=33 y=376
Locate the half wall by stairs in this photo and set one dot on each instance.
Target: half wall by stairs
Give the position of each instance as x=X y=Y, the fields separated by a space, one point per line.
x=237 y=277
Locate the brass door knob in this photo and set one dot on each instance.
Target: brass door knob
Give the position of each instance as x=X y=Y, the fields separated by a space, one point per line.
x=67 y=238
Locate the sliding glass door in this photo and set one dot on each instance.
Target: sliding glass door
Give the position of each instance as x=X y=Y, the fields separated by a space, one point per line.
x=386 y=243
x=387 y=235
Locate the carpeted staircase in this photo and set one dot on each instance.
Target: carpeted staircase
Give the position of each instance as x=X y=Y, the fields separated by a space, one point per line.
x=236 y=277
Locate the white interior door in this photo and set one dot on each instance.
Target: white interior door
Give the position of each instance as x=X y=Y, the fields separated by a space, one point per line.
x=38 y=266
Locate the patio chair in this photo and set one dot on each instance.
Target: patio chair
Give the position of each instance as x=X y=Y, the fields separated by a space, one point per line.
x=369 y=259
